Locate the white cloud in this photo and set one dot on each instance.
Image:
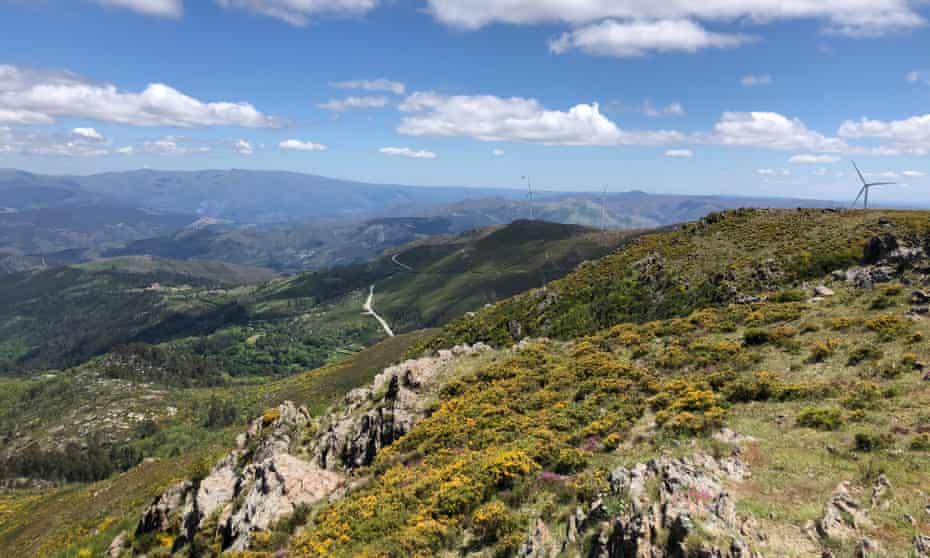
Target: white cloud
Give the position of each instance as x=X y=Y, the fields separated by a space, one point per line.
x=243 y=147
x=770 y=130
x=175 y=145
x=490 y=118
x=673 y=109
x=910 y=136
x=407 y=152
x=127 y=150
x=161 y=8
x=773 y=172
x=55 y=93
x=88 y=133
x=31 y=142
x=394 y=87
x=851 y=17
x=679 y=153
x=820 y=172
x=298 y=145
x=9 y=116
x=753 y=80
x=913 y=174
x=298 y=12
x=498 y=152
x=913 y=77
x=637 y=38
x=813 y=159
x=340 y=105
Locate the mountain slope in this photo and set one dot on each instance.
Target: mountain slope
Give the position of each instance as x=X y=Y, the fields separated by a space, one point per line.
x=790 y=424
x=670 y=274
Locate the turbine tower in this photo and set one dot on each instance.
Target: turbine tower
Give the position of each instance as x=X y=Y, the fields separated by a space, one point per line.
x=529 y=195
x=866 y=186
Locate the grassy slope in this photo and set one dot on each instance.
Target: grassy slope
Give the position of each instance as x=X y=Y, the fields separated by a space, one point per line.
x=659 y=387
x=219 y=273
x=59 y=522
x=673 y=273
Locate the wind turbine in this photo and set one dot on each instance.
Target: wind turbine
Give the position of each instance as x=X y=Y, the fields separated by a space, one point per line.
x=529 y=195
x=866 y=186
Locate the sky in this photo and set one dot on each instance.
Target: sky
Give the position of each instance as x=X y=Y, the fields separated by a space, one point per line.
x=757 y=97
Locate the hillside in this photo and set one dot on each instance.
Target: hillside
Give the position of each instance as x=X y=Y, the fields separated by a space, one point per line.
x=754 y=385
x=782 y=419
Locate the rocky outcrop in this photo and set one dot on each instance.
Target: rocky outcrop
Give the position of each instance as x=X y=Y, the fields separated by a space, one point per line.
x=376 y=416
x=253 y=486
x=691 y=493
x=843 y=517
x=268 y=475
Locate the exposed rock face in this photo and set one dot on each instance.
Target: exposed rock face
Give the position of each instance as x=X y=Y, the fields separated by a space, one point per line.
x=843 y=518
x=376 y=416
x=253 y=486
x=268 y=476
x=539 y=544
x=690 y=490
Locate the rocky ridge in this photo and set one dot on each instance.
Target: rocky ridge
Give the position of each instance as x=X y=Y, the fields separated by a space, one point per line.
x=279 y=465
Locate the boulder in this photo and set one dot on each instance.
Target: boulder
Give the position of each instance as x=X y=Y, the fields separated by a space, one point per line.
x=823 y=291
x=843 y=517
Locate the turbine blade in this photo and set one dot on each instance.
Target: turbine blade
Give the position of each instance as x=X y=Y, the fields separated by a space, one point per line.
x=859 y=196
x=862 y=178
x=880 y=184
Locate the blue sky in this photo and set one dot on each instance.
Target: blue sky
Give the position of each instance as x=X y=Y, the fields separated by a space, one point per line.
x=761 y=97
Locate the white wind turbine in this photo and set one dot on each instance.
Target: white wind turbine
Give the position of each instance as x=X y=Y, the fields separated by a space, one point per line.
x=866 y=186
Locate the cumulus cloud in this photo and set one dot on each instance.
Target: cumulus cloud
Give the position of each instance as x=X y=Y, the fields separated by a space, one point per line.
x=754 y=81
x=161 y=8
x=770 y=130
x=341 y=105
x=48 y=94
x=407 y=152
x=626 y=39
x=298 y=145
x=57 y=144
x=88 y=133
x=243 y=147
x=910 y=136
x=516 y=119
x=175 y=145
x=913 y=174
x=9 y=116
x=394 y=87
x=299 y=12
x=126 y=150
x=498 y=152
x=679 y=153
x=851 y=17
x=813 y=159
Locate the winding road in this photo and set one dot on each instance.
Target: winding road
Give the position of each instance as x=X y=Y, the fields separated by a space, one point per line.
x=405 y=266
x=370 y=311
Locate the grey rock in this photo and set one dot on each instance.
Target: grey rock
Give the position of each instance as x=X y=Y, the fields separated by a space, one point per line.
x=922 y=546
x=843 y=516
x=823 y=291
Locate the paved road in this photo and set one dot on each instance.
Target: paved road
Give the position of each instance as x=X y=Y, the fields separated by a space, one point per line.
x=370 y=311
x=405 y=266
